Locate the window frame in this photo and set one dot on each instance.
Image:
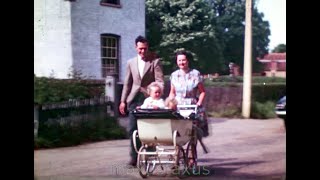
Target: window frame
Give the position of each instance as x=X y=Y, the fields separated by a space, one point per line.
x=105 y=3
x=111 y=68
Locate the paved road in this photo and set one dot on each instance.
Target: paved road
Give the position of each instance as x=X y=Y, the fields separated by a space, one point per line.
x=239 y=149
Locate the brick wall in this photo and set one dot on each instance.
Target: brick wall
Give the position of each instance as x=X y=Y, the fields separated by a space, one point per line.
x=221 y=97
x=217 y=97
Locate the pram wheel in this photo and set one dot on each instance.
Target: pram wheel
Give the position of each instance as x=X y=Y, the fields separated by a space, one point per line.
x=191 y=152
x=142 y=162
x=180 y=162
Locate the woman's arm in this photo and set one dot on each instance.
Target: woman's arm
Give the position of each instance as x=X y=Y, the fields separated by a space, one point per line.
x=202 y=93
x=172 y=93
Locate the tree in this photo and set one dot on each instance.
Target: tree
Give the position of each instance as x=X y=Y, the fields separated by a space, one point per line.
x=188 y=24
x=212 y=30
x=281 y=48
x=231 y=21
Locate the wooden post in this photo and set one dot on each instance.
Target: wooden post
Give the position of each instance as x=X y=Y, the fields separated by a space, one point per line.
x=247 y=73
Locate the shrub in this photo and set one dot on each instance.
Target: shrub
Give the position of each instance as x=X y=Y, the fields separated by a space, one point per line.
x=268 y=92
x=49 y=90
x=228 y=112
x=259 y=110
x=238 y=80
x=90 y=130
x=263 y=110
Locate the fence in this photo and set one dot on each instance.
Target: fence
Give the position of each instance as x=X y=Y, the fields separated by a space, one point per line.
x=71 y=112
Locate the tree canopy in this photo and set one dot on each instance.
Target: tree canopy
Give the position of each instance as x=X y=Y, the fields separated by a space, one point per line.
x=212 y=30
x=281 y=48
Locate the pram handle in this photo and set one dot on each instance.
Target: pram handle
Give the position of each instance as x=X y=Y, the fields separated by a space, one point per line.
x=187 y=110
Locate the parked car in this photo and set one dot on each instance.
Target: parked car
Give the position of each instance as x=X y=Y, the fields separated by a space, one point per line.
x=281 y=109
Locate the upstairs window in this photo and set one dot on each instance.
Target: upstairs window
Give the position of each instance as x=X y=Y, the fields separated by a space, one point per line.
x=109 y=54
x=113 y=3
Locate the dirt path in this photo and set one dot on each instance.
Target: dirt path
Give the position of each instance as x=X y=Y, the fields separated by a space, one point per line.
x=239 y=149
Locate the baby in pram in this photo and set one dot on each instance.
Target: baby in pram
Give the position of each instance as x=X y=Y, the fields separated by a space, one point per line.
x=154 y=101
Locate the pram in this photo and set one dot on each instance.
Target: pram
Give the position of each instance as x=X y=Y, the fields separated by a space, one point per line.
x=163 y=134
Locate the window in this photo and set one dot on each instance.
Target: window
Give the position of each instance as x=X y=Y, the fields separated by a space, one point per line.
x=109 y=54
x=113 y=3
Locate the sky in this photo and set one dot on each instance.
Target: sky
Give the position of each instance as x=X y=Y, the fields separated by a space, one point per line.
x=275 y=12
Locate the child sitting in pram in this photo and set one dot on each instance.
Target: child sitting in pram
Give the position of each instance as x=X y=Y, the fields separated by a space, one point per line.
x=154 y=101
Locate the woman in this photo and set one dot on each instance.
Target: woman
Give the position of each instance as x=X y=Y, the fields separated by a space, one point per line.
x=185 y=82
x=185 y=85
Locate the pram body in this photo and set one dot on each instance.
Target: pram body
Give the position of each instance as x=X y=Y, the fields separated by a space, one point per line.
x=163 y=134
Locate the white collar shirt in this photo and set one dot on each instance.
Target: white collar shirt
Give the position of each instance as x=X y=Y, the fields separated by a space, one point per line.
x=141 y=64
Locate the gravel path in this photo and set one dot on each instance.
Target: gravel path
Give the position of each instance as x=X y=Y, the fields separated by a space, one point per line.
x=239 y=149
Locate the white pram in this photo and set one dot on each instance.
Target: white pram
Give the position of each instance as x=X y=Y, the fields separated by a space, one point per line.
x=163 y=134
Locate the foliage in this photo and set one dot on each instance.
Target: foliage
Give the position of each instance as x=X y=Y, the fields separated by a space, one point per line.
x=281 y=48
x=259 y=110
x=238 y=80
x=212 y=30
x=94 y=127
x=55 y=90
x=262 y=110
x=228 y=112
x=230 y=20
x=187 y=24
x=48 y=90
x=268 y=92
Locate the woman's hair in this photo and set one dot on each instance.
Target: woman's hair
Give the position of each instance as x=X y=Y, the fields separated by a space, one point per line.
x=187 y=54
x=154 y=84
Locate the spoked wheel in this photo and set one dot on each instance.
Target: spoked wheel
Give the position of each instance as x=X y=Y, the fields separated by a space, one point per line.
x=192 y=155
x=180 y=162
x=142 y=163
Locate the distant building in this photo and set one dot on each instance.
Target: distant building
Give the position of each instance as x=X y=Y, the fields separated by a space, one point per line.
x=234 y=69
x=274 y=64
x=93 y=37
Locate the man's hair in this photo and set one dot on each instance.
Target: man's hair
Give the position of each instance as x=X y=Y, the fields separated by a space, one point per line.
x=141 y=39
x=154 y=84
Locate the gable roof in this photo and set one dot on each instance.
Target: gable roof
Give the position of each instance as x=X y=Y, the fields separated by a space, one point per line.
x=280 y=57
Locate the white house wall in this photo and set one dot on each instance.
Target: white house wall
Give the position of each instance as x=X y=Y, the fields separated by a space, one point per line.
x=90 y=20
x=52 y=38
x=80 y=26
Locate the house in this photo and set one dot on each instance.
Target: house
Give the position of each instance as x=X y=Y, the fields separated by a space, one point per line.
x=274 y=64
x=92 y=37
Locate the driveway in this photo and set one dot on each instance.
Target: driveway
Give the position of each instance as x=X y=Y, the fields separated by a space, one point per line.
x=238 y=149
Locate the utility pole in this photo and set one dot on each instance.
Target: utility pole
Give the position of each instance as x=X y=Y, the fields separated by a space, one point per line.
x=247 y=69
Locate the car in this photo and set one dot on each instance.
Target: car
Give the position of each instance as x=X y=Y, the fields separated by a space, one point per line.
x=281 y=107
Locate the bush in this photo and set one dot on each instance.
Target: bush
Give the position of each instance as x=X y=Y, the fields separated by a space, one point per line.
x=268 y=92
x=263 y=110
x=228 y=112
x=258 y=111
x=49 y=90
x=60 y=135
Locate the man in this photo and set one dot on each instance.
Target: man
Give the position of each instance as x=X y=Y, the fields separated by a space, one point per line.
x=140 y=72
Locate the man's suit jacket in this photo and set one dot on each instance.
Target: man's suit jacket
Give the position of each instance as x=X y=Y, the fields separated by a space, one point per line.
x=133 y=83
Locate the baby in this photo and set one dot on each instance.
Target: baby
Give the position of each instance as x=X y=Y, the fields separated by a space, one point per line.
x=154 y=101
x=171 y=103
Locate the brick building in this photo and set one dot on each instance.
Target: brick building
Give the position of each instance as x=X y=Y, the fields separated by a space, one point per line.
x=274 y=64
